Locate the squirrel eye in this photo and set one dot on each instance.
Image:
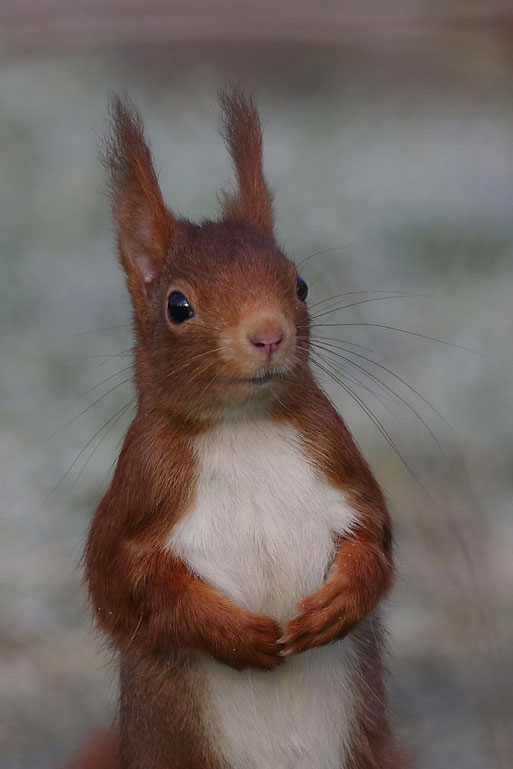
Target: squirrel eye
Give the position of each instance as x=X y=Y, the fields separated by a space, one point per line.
x=301 y=289
x=179 y=308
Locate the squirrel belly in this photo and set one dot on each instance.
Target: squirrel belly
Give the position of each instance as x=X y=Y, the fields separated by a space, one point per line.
x=262 y=523
x=262 y=529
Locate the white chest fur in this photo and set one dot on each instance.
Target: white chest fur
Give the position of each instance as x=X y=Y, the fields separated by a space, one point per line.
x=261 y=530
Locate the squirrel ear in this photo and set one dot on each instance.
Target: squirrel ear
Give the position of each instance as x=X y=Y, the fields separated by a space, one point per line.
x=145 y=228
x=242 y=132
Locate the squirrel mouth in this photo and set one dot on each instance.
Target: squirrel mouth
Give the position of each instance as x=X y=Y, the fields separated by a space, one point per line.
x=262 y=379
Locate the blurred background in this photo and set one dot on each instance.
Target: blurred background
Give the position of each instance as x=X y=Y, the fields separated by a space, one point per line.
x=389 y=144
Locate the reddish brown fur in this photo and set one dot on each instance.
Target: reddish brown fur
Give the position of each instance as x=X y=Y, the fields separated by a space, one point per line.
x=243 y=136
x=144 y=225
x=160 y=707
x=157 y=613
x=373 y=743
x=144 y=598
x=362 y=570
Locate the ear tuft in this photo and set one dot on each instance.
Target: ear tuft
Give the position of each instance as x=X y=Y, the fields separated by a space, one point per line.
x=145 y=228
x=242 y=132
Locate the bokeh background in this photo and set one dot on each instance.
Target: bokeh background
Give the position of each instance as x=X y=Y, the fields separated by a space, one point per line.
x=389 y=144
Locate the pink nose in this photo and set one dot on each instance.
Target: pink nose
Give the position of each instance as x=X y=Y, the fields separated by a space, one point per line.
x=266 y=343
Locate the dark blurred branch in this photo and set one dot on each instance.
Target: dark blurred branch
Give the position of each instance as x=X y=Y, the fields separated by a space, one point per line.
x=54 y=26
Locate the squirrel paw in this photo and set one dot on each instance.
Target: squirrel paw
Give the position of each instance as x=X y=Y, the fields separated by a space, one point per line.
x=324 y=616
x=256 y=645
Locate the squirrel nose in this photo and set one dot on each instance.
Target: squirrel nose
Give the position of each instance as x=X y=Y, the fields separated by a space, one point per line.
x=266 y=343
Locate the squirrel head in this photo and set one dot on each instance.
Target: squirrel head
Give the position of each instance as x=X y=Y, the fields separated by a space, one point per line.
x=219 y=311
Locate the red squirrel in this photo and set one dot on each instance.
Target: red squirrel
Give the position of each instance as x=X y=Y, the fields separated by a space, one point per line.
x=237 y=560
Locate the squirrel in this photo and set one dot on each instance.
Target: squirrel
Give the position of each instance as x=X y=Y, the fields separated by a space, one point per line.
x=238 y=559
